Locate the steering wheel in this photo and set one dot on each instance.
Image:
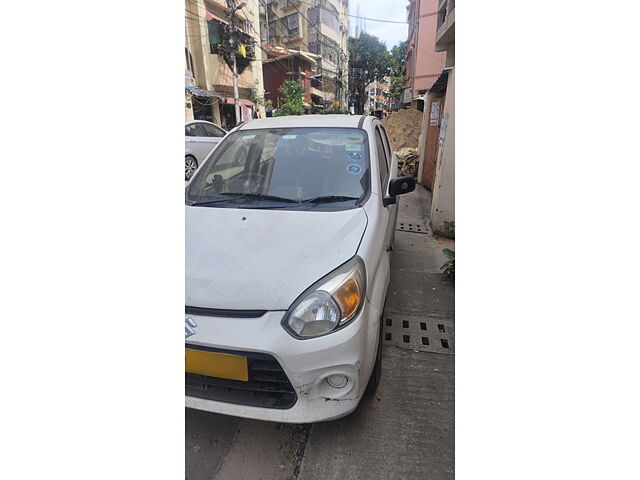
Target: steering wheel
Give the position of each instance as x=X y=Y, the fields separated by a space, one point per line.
x=241 y=154
x=253 y=182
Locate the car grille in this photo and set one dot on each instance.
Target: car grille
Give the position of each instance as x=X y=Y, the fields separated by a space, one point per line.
x=268 y=385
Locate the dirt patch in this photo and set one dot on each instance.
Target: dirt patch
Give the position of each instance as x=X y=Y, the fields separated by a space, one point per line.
x=403 y=128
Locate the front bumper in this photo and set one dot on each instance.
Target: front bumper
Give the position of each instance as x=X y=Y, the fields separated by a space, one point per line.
x=306 y=363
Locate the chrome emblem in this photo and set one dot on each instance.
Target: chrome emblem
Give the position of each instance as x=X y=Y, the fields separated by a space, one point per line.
x=189 y=325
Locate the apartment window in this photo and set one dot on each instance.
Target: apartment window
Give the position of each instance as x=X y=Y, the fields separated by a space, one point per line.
x=214 y=32
x=292 y=25
x=442 y=16
x=272 y=29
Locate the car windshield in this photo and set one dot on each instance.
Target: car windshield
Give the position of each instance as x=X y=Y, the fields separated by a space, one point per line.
x=283 y=167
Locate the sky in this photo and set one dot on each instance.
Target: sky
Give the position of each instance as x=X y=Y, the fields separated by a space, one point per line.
x=390 y=33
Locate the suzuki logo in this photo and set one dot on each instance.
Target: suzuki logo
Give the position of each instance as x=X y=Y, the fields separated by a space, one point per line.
x=189 y=325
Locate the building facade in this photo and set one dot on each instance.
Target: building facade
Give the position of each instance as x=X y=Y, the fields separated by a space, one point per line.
x=443 y=204
x=378 y=97
x=282 y=64
x=209 y=76
x=319 y=27
x=424 y=63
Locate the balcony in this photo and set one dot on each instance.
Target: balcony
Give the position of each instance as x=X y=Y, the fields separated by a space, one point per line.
x=289 y=4
x=445 y=32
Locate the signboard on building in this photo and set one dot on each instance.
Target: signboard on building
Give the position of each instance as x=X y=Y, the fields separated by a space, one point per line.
x=189 y=81
x=435 y=113
x=406 y=95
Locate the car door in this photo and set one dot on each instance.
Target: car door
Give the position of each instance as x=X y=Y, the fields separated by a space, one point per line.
x=213 y=135
x=392 y=163
x=193 y=142
x=384 y=153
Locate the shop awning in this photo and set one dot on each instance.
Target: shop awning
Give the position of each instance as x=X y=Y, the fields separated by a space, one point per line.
x=199 y=92
x=211 y=16
x=440 y=85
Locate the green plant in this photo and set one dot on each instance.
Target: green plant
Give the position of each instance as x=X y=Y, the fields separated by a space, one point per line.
x=220 y=43
x=293 y=99
x=449 y=268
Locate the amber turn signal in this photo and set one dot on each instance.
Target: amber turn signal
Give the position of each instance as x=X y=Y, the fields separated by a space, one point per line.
x=348 y=296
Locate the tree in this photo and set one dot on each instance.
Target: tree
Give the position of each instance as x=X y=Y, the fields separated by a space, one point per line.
x=398 y=69
x=293 y=99
x=368 y=60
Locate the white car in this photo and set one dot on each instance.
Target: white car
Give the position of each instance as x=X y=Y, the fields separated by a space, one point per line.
x=200 y=138
x=289 y=228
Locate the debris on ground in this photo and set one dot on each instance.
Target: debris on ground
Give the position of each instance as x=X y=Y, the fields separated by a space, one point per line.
x=403 y=128
x=408 y=161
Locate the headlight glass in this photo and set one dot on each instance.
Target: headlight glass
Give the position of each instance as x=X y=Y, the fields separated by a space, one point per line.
x=315 y=315
x=330 y=303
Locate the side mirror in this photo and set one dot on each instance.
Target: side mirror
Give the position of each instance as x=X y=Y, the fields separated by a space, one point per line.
x=399 y=186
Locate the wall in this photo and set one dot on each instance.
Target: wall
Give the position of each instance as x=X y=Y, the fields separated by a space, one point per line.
x=424 y=64
x=443 y=204
x=188 y=107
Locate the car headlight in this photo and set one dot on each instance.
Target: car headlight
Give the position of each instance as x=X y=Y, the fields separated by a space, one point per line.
x=330 y=303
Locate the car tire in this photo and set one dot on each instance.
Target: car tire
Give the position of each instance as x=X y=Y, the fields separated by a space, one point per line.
x=190 y=166
x=376 y=374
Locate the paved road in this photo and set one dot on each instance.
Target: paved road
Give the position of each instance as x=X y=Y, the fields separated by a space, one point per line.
x=405 y=431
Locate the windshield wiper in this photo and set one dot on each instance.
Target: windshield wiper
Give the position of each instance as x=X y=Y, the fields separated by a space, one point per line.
x=328 y=199
x=257 y=196
x=317 y=201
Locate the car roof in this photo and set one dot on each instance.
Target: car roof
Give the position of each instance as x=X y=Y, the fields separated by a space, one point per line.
x=301 y=121
x=198 y=121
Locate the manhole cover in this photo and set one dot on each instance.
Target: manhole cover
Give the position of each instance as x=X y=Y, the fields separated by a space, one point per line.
x=411 y=227
x=428 y=333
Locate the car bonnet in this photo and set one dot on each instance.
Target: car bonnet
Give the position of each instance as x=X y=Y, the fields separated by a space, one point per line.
x=248 y=259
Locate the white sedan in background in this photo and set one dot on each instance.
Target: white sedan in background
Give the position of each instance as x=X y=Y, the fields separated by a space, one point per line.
x=201 y=138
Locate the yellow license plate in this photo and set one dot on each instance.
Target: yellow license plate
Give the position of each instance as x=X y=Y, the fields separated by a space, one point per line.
x=214 y=364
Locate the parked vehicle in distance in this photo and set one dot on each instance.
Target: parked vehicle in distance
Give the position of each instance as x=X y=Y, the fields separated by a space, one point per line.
x=289 y=228
x=201 y=137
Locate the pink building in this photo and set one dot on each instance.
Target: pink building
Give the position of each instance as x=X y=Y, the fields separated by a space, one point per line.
x=424 y=64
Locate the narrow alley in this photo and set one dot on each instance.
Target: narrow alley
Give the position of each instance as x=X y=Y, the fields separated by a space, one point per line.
x=405 y=431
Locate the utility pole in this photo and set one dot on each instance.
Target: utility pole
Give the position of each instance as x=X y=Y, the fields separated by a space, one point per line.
x=266 y=14
x=231 y=12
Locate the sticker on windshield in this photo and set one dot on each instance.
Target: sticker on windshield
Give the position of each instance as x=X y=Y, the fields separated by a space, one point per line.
x=248 y=137
x=354 y=156
x=354 y=169
x=353 y=147
x=355 y=138
x=289 y=137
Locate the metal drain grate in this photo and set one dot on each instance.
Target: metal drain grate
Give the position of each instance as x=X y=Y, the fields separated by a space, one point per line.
x=428 y=333
x=411 y=227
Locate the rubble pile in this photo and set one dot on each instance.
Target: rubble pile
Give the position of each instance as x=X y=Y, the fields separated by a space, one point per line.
x=407 y=161
x=403 y=128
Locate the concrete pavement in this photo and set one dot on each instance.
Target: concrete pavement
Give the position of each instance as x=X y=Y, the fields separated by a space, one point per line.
x=405 y=431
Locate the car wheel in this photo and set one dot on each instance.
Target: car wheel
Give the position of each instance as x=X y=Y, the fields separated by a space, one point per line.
x=374 y=380
x=190 y=166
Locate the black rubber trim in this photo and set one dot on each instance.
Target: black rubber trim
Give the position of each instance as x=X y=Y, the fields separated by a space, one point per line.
x=218 y=312
x=257 y=355
x=362 y=119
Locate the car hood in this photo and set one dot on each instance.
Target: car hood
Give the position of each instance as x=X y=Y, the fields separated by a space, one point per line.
x=264 y=259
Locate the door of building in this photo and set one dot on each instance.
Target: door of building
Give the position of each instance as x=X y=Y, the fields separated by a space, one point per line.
x=430 y=143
